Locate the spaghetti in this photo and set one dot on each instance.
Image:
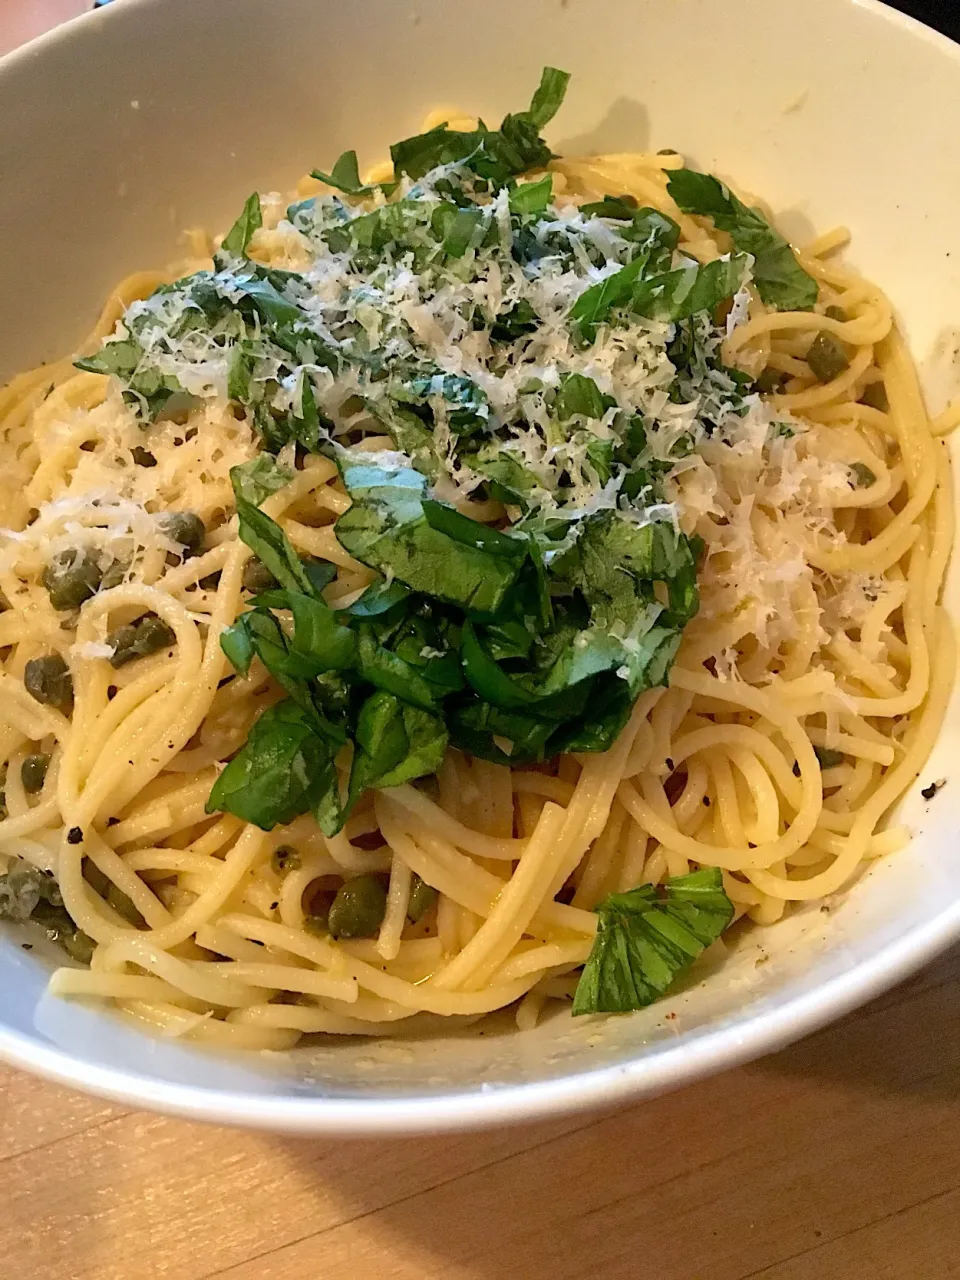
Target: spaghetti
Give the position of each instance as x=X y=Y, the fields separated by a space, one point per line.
x=806 y=695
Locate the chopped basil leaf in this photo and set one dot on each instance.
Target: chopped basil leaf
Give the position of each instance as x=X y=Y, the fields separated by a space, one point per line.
x=390 y=527
x=285 y=769
x=494 y=155
x=677 y=295
x=532 y=197
x=780 y=280
x=256 y=480
x=578 y=394
x=240 y=234
x=394 y=743
x=270 y=544
x=549 y=95
x=647 y=937
x=345 y=176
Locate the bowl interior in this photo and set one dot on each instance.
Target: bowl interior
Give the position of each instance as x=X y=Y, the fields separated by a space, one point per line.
x=151 y=116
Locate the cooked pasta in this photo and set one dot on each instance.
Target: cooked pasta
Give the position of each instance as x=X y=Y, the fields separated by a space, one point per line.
x=783 y=449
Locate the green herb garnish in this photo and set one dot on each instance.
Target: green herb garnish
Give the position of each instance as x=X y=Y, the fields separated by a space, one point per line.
x=458 y=312
x=240 y=234
x=780 y=280
x=648 y=937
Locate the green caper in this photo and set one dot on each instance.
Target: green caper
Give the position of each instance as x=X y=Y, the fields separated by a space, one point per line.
x=827 y=358
x=185 y=527
x=770 y=382
x=317 y=923
x=875 y=396
x=122 y=641
x=285 y=858
x=123 y=905
x=48 y=680
x=148 y=634
x=422 y=898
x=50 y=913
x=60 y=928
x=143 y=457
x=72 y=577
x=828 y=758
x=863 y=477
x=22 y=889
x=114 y=575
x=153 y=634
x=836 y=313
x=33 y=772
x=98 y=880
x=358 y=909
x=257 y=577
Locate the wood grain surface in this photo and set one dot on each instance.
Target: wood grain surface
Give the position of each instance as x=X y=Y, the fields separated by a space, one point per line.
x=837 y=1159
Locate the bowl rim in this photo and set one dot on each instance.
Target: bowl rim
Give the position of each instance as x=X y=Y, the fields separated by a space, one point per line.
x=601 y=1088
x=478 y=1107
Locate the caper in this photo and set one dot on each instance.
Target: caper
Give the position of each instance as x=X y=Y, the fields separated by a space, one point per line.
x=828 y=758
x=422 y=898
x=317 y=922
x=285 y=858
x=143 y=457
x=257 y=577
x=33 y=772
x=22 y=889
x=48 y=680
x=153 y=634
x=875 y=396
x=122 y=642
x=827 y=358
x=836 y=313
x=358 y=909
x=47 y=909
x=185 y=527
x=71 y=578
x=770 y=382
x=148 y=634
x=114 y=574
x=60 y=928
x=863 y=477
x=98 y=880
x=123 y=905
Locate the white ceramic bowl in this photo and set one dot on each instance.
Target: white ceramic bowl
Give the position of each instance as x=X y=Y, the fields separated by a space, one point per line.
x=151 y=115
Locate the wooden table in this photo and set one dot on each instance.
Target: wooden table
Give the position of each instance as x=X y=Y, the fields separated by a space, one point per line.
x=838 y=1158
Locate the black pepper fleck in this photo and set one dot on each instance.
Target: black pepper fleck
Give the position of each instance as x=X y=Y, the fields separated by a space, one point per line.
x=27 y=946
x=929 y=792
x=670 y=765
x=75 y=836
